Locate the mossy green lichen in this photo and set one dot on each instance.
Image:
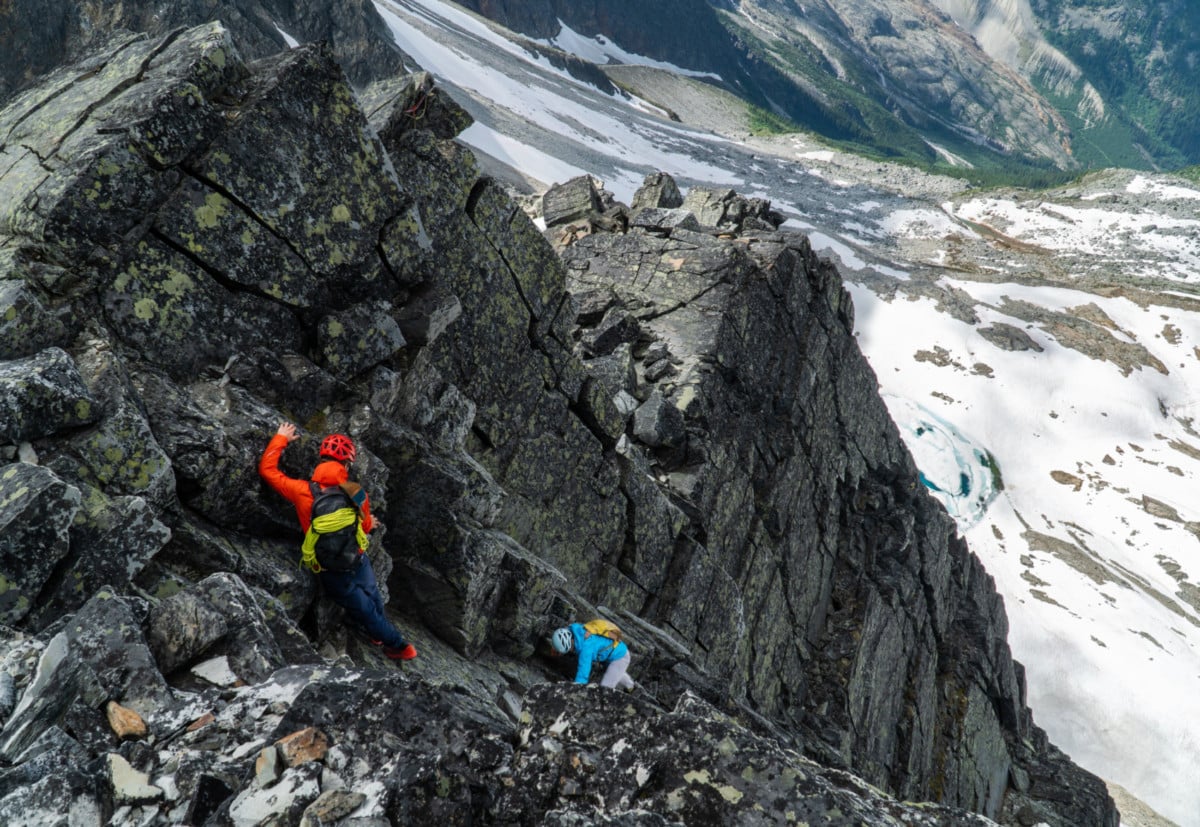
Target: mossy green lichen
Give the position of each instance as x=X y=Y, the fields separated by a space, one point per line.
x=210 y=213
x=145 y=309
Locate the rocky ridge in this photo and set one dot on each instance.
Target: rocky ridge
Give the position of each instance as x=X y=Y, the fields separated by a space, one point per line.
x=672 y=422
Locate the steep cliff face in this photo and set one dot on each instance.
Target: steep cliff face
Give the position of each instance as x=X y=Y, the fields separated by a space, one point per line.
x=675 y=426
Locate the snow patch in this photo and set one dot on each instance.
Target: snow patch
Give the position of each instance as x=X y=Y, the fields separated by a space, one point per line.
x=287 y=38
x=600 y=49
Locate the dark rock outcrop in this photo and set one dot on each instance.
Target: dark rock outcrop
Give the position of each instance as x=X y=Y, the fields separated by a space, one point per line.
x=37 y=37
x=655 y=421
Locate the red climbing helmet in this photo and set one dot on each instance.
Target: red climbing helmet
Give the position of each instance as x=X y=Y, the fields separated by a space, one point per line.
x=339 y=447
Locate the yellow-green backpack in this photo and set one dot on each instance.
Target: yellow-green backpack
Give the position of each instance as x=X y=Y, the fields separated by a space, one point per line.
x=604 y=628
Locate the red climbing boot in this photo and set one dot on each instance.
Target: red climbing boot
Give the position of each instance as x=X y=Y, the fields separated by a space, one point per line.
x=406 y=652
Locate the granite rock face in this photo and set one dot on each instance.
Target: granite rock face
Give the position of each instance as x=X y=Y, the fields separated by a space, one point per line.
x=658 y=416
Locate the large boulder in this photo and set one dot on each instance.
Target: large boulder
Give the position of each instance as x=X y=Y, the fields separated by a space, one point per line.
x=42 y=395
x=26 y=324
x=221 y=617
x=37 y=510
x=111 y=541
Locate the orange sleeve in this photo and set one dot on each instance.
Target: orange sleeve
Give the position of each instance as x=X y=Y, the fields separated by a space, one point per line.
x=368 y=522
x=295 y=491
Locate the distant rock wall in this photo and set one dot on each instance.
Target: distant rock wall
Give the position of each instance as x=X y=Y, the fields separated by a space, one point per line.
x=37 y=37
x=671 y=422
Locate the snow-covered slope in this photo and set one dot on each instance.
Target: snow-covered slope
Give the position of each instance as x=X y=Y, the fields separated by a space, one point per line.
x=1040 y=350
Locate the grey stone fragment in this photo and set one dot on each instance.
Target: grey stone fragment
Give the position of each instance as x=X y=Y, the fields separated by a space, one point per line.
x=330 y=807
x=654 y=371
x=576 y=199
x=658 y=423
x=423 y=319
x=1008 y=337
x=284 y=801
x=616 y=328
x=708 y=205
x=8 y=695
x=130 y=786
x=43 y=701
x=665 y=221
x=182 y=627
x=268 y=767
x=658 y=189
x=591 y=305
x=397 y=105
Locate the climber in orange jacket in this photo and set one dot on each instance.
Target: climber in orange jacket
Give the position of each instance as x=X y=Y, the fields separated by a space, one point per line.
x=354 y=587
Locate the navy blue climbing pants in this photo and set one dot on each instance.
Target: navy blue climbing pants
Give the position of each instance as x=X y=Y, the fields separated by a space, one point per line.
x=356 y=591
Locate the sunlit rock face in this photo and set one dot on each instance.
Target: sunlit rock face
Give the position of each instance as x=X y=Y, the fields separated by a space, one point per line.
x=1008 y=31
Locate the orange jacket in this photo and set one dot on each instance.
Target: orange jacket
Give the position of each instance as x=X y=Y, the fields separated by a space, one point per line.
x=297 y=491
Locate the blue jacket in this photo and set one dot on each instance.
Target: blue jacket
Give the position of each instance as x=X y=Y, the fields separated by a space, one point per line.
x=589 y=648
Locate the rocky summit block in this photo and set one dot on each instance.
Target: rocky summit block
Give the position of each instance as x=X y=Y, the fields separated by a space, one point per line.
x=657 y=417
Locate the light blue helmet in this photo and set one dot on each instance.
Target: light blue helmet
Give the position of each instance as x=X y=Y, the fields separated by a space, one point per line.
x=563 y=641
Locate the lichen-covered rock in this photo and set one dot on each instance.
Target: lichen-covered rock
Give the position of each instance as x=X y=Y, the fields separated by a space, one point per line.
x=359 y=338
x=664 y=221
x=111 y=540
x=42 y=395
x=26 y=326
x=37 y=509
x=616 y=328
x=182 y=627
x=51 y=689
x=119 y=455
x=659 y=423
x=413 y=102
x=105 y=635
x=571 y=201
x=221 y=616
x=169 y=308
x=726 y=210
x=331 y=806
x=261 y=221
x=658 y=191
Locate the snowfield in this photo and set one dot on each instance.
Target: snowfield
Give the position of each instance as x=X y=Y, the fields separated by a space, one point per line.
x=1040 y=353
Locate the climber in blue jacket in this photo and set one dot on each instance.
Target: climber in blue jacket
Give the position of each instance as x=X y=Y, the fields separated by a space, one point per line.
x=592 y=648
